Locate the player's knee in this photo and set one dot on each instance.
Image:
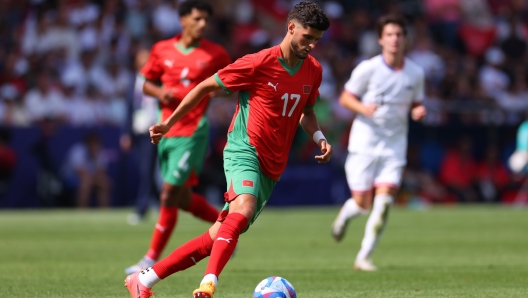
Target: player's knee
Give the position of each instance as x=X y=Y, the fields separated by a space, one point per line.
x=363 y=200
x=170 y=195
x=244 y=204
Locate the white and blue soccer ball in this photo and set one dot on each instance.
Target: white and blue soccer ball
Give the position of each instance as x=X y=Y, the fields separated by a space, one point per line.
x=274 y=287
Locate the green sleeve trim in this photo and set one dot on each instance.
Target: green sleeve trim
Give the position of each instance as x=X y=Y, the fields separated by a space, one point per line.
x=316 y=101
x=217 y=79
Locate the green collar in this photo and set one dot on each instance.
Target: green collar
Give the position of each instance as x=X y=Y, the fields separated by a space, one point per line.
x=186 y=51
x=293 y=70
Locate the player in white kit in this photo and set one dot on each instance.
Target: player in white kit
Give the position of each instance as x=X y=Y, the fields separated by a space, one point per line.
x=381 y=91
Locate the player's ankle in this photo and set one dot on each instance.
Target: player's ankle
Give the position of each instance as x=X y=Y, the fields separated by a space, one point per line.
x=148 y=277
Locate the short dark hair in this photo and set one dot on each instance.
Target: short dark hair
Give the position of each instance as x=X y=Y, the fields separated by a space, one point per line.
x=309 y=14
x=391 y=19
x=187 y=6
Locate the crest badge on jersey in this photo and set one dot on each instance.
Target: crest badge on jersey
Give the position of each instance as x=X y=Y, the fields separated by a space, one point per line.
x=307 y=89
x=248 y=183
x=201 y=64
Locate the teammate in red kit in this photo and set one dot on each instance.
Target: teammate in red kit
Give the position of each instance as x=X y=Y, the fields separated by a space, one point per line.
x=179 y=64
x=278 y=88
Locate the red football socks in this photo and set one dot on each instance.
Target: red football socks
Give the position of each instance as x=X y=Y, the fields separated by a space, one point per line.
x=185 y=256
x=225 y=243
x=202 y=209
x=162 y=232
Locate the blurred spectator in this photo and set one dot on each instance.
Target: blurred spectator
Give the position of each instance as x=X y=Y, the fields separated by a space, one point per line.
x=493 y=177
x=136 y=19
x=444 y=17
x=166 y=19
x=423 y=54
x=418 y=183
x=513 y=44
x=12 y=113
x=97 y=35
x=97 y=106
x=80 y=111
x=514 y=101
x=8 y=160
x=49 y=186
x=114 y=80
x=50 y=32
x=44 y=101
x=478 y=30
x=83 y=12
x=458 y=171
x=86 y=169
x=435 y=107
x=492 y=78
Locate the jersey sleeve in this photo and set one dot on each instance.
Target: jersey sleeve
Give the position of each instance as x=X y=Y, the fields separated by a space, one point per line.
x=358 y=82
x=314 y=96
x=236 y=76
x=420 y=88
x=152 y=70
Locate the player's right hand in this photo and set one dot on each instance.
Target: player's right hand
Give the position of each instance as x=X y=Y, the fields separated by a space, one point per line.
x=167 y=95
x=157 y=131
x=369 y=109
x=327 y=151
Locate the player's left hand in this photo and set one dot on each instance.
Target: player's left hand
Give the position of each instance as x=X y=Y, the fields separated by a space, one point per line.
x=326 y=149
x=418 y=113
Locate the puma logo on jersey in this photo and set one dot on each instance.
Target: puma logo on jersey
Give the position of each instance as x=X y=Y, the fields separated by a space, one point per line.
x=228 y=240
x=169 y=63
x=160 y=228
x=274 y=86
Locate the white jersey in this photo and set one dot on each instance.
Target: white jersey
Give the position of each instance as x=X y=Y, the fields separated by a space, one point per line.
x=394 y=92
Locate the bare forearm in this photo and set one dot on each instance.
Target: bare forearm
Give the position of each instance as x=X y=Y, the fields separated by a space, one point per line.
x=192 y=99
x=150 y=88
x=351 y=102
x=309 y=122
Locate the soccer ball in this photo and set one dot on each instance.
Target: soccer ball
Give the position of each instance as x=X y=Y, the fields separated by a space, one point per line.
x=274 y=287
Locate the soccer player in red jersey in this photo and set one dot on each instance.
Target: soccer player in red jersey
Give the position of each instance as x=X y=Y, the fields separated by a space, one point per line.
x=278 y=88
x=179 y=64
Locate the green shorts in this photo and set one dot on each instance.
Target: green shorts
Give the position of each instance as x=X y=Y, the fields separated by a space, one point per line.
x=243 y=176
x=181 y=158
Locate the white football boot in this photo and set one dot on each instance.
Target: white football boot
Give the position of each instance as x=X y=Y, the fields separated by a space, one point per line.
x=364 y=265
x=143 y=264
x=339 y=229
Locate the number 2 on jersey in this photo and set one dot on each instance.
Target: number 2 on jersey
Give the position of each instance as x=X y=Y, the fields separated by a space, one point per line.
x=285 y=98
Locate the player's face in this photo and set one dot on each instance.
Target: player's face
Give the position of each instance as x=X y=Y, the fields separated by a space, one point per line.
x=392 y=39
x=195 y=23
x=303 y=39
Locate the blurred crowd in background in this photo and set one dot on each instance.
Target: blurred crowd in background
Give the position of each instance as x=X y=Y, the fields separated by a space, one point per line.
x=74 y=63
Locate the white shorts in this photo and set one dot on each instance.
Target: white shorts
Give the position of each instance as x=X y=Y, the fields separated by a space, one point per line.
x=364 y=172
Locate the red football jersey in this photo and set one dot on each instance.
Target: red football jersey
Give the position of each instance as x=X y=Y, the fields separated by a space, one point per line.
x=183 y=69
x=272 y=99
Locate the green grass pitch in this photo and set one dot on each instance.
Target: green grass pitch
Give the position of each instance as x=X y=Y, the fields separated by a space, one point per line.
x=442 y=252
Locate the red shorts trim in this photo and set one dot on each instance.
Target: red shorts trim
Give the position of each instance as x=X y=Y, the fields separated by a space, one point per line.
x=360 y=192
x=192 y=180
x=229 y=196
x=222 y=216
